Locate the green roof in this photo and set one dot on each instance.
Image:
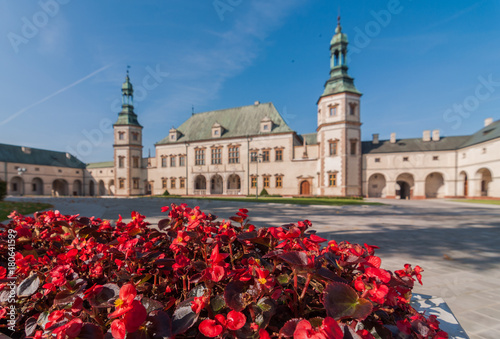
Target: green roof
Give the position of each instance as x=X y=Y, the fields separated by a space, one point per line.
x=35 y=156
x=414 y=145
x=127 y=116
x=444 y=144
x=311 y=138
x=492 y=131
x=236 y=122
x=103 y=164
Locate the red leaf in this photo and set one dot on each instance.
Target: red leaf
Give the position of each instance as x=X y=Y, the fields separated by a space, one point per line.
x=341 y=301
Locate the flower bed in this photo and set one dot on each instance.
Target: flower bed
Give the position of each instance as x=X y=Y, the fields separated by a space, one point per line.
x=196 y=277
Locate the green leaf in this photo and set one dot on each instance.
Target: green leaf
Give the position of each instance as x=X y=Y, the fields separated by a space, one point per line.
x=218 y=303
x=283 y=279
x=341 y=301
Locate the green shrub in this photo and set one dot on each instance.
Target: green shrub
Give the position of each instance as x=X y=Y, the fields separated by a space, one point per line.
x=166 y=192
x=3 y=189
x=264 y=193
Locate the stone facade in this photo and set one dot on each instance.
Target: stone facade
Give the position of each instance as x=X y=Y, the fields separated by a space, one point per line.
x=242 y=150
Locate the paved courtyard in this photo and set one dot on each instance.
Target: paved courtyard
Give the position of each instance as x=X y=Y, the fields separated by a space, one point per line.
x=457 y=244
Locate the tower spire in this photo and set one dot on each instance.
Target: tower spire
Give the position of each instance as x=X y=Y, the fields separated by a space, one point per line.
x=339 y=80
x=127 y=115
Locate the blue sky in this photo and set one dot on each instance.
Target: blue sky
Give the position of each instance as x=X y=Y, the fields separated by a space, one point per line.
x=420 y=65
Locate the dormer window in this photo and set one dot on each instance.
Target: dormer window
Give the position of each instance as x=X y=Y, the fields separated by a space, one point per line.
x=216 y=130
x=266 y=125
x=173 y=134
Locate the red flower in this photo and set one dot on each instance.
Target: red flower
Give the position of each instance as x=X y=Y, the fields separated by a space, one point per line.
x=133 y=312
x=264 y=279
x=329 y=330
x=118 y=329
x=180 y=262
x=210 y=328
x=378 y=293
x=55 y=317
x=235 y=320
x=71 y=329
x=263 y=334
x=378 y=273
x=198 y=304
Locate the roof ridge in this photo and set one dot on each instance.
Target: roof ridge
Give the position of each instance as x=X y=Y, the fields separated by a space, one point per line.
x=230 y=108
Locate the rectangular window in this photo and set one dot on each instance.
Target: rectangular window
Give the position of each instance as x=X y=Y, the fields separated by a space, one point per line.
x=352 y=109
x=182 y=183
x=333 y=111
x=405 y=159
x=121 y=161
x=354 y=144
x=33 y=187
x=266 y=182
x=377 y=159
x=253 y=156
x=121 y=183
x=199 y=157
x=164 y=183
x=234 y=154
x=121 y=135
x=163 y=161
x=332 y=179
x=172 y=161
x=279 y=155
x=333 y=148
x=265 y=156
x=136 y=183
x=135 y=136
x=279 y=182
x=172 y=183
x=135 y=162
x=182 y=160
x=216 y=156
x=435 y=157
x=253 y=182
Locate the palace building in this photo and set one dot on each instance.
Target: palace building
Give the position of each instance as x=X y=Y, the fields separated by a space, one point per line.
x=240 y=151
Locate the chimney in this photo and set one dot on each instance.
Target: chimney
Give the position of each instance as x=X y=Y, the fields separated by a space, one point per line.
x=256 y=103
x=393 y=138
x=435 y=135
x=488 y=122
x=375 y=139
x=426 y=136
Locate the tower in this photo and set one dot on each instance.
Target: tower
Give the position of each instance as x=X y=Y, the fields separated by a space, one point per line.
x=339 y=133
x=128 y=146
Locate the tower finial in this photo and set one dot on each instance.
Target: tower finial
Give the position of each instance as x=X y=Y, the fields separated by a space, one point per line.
x=339 y=27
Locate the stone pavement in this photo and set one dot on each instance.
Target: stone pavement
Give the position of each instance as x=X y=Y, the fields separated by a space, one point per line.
x=457 y=244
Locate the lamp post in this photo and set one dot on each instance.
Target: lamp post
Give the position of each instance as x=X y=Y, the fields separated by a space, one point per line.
x=257 y=160
x=20 y=172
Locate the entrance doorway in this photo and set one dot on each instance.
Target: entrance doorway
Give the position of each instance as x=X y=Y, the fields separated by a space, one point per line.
x=305 y=188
